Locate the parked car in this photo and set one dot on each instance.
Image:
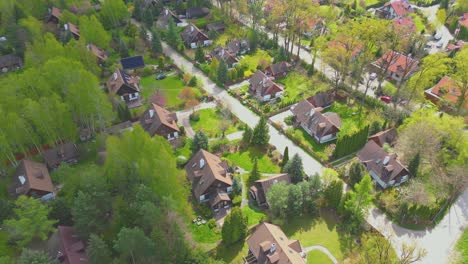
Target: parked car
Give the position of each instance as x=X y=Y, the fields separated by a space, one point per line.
x=386 y=99
x=160 y=76
x=373 y=76
x=438 y=36
x=439 y=44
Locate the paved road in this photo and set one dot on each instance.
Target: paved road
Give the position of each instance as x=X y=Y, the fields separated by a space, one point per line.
x=438 y=241
x=183 y=117
x=324 y=250
x=431 y=14
x=311 y=166
x=235 y=135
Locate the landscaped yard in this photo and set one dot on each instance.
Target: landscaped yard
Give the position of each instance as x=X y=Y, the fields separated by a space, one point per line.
x=253 y=214
x=309 y=141
x=260 y=57
x=230 y=32
x=318 y=257
x=203 y=234
x=298 y=86
x=211 y=121
x=244 y=159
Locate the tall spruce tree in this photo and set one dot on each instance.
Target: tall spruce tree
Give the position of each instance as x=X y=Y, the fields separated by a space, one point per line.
x=254 y=174
x=413 y=165
x=261 y=134
x=222 y=74
x=199 y=55
x=285 y=156
x=200 y=141
x=295 y=169
x=156 y=46
x=234 y=227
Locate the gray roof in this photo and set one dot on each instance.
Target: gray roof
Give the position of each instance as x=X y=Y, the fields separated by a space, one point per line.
x=311 y=117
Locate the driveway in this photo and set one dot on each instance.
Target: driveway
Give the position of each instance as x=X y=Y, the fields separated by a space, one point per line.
x=311 y=166
x=438 y=241
x=431 y=13
x=279 y=118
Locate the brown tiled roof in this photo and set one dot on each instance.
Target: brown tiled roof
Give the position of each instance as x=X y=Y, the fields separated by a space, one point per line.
x=74 y=250
x=223 y=54
x=286 y=250
x=161 y=117
x=278 y=68
x=73 y=29
x=373 y=157
x=61 y=153
x=219 y=197
x=322 y=99
x=387 y=136
x=98 y=52
x=120 y=78
x=320 y=124
x=214 y=169
x=56 y=12
x=192 y=34
x=261 y=187
x=36 y=175
x=262 y=84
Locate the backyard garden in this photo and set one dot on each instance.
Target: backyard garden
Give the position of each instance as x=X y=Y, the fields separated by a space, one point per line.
x=215 y=122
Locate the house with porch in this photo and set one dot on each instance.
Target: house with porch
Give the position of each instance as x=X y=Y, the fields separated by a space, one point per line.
x=65 y=246
x=269 y=244
x=156 y=120
x=278 y=70
x=33 y=179
x=447 y=93
x=322 y=127
x=222 y=54
x=383 y=167
x=126 y=87
x=260 y=188
x=394 y=9
x=211 y=181
x=193 y=37
x=263 y=88
x=396 y=66
x=62 y=153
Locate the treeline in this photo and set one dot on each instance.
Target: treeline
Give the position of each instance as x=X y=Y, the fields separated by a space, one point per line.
x=348 y=144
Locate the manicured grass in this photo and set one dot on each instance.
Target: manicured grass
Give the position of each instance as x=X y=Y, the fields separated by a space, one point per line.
x=309 y=141
x=254 y=214
x=170 y=87
x=462 y=247
x=210 y=122
x=298 y=86
x=185 y=150
x=317 y=231
x=253 y=60
x=318 y=257
x=244 y=159
x=203 y=234
x=371 y=2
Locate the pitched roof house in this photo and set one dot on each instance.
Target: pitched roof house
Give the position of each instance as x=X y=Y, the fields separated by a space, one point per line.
x=125 y=86
x=66 y=152
x=211 y=182
x=260 y=188
x=322 y=127
x=164 y=18
x=404 y=25
x=398 y=66
x=322 y=99
x=158 y=121
x=388 y=136
x=222 y=54
x=278 y=70
x=54 y=15
x=448 y=91
x=33 y=179
x=74 y=30
x=10 y=62
x=395 y=8
x=263 y=88
x=193 y=37
x=384 y=168
x=196 y=12
x=269 y=244
x=100 y=54
x=70 y=248
x=238 y=46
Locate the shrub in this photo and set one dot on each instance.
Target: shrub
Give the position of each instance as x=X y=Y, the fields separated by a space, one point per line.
x=147 y=71
x=237 y=200
x=181 y=161
x=194 y=117
x=211 y=223
x=193 y=82
x=182 y=130
x=289 y=120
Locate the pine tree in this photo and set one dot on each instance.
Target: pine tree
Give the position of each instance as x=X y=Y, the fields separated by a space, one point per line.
x=261 y=134
x=413 y=165
x=29 y=256
x=295 y=169
x=200 y=141
x=222 y=74
x=98 y=251
x=156 y=46
x=356 y=171
x=285 y=157
x=247 y=135
x=254 y=174
x=234 y=227
x=333 y=193
x=199 y=55
x=173 y=37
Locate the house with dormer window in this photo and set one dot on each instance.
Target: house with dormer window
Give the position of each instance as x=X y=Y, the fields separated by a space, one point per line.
x=33 y=179
x=263 y=88
x=159 y=121
x=126 y=87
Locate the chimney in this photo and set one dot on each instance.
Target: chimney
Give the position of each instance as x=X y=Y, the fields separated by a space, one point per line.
x=273 y=248
x=386 y=160
x=167 y=11
x=312 y=112
x=115 y=76
x=191 y=28
x=151 y=113
x=202 y=163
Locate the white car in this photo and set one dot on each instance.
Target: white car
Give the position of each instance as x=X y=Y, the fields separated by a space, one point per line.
x=438 y=36
x=439 y=44
x=373 y=76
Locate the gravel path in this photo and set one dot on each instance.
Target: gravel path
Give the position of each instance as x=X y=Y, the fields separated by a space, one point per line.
x=323 y=249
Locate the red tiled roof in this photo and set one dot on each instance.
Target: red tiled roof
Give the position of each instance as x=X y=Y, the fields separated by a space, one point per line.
x=464 y=20
x=400 y=63
x=401 y=7
x=72 y=246
x=404 y=25
x=448 y=90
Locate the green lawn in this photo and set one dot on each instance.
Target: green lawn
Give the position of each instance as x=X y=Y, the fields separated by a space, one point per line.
x=298 y=86
x=253 y=60
x=170 y=87
x=203 y=234
x=244 y=159
x=254 y=215
x=185 y=150
x=318 y=257
x=210 y=122
x=230 y=32
x=318 y=231
x=309 y=141
x=462 y=247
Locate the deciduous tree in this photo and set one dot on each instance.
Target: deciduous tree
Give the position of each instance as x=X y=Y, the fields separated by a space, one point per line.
x=134 y=246
x=98 y=251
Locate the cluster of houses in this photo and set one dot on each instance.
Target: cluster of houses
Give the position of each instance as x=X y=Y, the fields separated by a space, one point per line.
x=262 y=85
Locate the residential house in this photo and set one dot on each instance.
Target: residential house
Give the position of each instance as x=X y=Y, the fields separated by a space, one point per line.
x=388 y=136
x=222 y=54
x=446 y=93
x=463 y=20
x=196 y=12
x=322 y=127
x=164 y=18
x=10 y=62
x=54 y=15
x=32 y=179
x=238 y=46
x=278 y=70
x=260 y=188
x=404 y=25
x=322 y=99
x=73 y=29
x=457 y=46
x=100 y=54
x=159 y=121
x=269 y=244
x=126 y=87
x=131 y=63
x=67 y=247
x=394 y=9
x=62 y=153
x=211 y=181
x=216 y=27
x=193 y=37
x=397 y=66
x=263 y=88
x=383 y=167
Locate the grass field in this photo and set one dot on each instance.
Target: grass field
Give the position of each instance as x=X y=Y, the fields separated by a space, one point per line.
x=170 y=87
x=210 y=122
x=462 y=247
x=254 y=215
x=244 y=159
x=298 y=86
x=203 y=234
x=318 y=257
x=253 y=60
